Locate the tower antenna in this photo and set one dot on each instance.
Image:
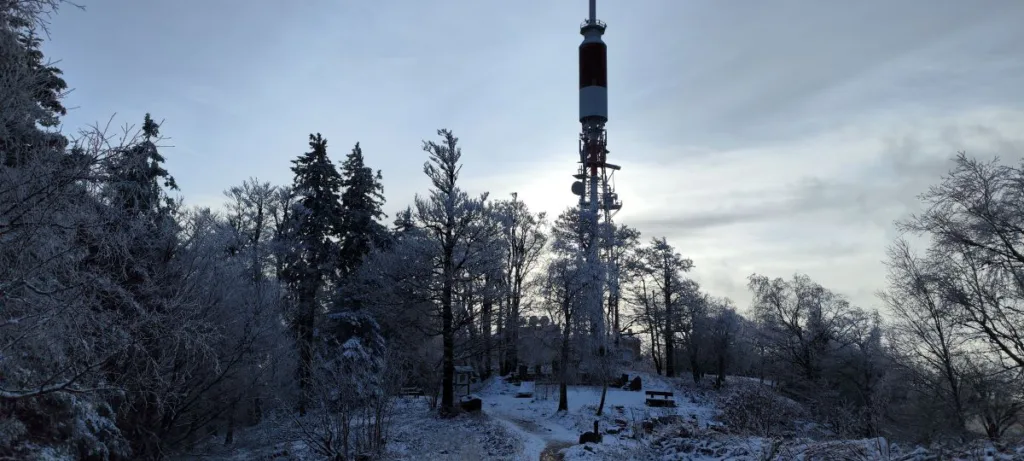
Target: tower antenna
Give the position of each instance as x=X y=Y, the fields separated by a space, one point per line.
x=594 y=184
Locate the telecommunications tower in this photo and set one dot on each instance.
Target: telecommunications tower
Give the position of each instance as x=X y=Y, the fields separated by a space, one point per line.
x=594 y=178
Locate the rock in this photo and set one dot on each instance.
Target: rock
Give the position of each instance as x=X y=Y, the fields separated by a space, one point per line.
x=472 y=405
x=669 y=419
x=591 y=437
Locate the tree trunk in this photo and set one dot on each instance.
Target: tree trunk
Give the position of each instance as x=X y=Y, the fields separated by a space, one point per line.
x=670 y=366
x=513 y=327
x=954 y=387
x=447 y=338
x=467 y=304
x=655 y=356
x=307 y=317
x=695 y=366
x=604 y=393
x=500 y=334
x=563 y=398
x=721 y=372
x=615 y=314
x=485 y=330
x=229 y=436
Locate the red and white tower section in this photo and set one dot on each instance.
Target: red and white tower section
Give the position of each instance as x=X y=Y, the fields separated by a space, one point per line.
x=594 y=186
x=594 y=183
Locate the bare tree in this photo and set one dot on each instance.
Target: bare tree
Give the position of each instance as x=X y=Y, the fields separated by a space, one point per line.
x=801 y=318
x=995 y=396
x=662 y=268
x=524 y=238
x=975 y=219
x=251 y=209
x=647 y=311
x=563 y=290
x=724 y=332
x=624 y=242
x=927 y=328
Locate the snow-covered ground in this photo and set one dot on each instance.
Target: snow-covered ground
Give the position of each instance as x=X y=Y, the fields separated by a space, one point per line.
x=419 y=434
x=536 y=421
x=529 y=429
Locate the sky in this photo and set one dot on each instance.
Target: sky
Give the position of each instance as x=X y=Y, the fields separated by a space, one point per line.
x=774 y=137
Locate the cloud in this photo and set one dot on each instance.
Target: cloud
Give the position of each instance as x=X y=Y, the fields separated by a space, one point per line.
x=762 y=137
x=822 y=205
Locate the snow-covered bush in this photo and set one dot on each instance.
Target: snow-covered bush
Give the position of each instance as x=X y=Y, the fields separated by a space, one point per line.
x=758 y=410
x=351 y=396
x=75 y=427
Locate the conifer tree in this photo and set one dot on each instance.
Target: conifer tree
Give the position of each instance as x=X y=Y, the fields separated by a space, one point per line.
x=362 y=199
x=316 y=224
x=130 y=264
x=30 y=88
x=136 y=173
x=403 y=223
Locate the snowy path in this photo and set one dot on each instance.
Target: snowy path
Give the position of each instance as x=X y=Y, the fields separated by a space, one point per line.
x=544 y=432
x=540 y=441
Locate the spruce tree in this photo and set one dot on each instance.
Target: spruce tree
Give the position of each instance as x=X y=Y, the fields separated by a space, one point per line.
x=30 y=88
x=130 y=264
x=137 y=173
x=315 y=226
x=403 y=223
x=362 y=200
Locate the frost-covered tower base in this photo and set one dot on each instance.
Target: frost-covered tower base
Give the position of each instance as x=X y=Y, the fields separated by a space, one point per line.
x=594 y=178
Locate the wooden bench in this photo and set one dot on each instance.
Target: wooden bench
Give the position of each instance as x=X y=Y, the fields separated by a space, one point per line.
x=660 y=399
x=415 y=391
x=525 y=389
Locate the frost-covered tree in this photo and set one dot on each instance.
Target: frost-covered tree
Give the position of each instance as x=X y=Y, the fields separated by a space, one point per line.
x=973 y=219
x=994 y=396
x=455 y=227
x=398 y=285
x=251 y=208
x=404 y=222
x=724 y=331
x=858 y=370
x=801 y=320
x=54 y=343
x=31 y=88
x=524 y=240
x=692 y=323
x=65 y=356
x=564 y=288
x=624 y=242
x=136 y=177
x=362 y=201
x=662 y=270
x=314 y=227
x=927 y=331
x=350 y=395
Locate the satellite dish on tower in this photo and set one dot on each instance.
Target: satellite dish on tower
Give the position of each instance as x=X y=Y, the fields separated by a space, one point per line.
x=577 y=188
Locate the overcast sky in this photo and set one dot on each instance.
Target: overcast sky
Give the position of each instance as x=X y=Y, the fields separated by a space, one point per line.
x=772 y=137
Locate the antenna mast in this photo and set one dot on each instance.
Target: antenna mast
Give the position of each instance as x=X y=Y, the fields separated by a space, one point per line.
x=594 y=178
